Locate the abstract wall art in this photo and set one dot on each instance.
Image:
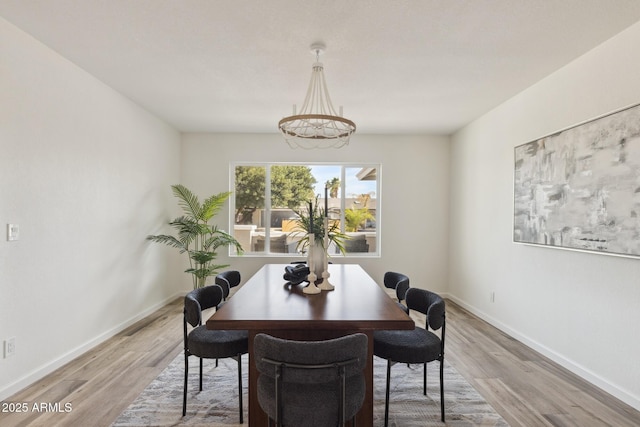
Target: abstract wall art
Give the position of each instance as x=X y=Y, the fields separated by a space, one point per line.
x=580 y=188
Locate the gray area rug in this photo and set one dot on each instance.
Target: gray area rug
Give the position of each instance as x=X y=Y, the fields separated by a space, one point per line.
x=160 y=404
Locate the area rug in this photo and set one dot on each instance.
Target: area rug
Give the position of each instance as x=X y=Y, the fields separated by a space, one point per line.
x=160 y=404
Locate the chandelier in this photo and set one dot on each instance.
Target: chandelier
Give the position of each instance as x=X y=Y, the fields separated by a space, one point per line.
x=317 y=125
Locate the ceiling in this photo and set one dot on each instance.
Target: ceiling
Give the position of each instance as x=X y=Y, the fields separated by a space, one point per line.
x=403 y=66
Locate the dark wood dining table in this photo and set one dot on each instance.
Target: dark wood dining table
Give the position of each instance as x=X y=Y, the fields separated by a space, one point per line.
x=266 y=303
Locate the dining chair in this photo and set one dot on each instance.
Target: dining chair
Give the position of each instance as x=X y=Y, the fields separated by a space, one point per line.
x=311 y=383
x=227 y=280
x=400 y=283
x=420 y=345
x=207 y=343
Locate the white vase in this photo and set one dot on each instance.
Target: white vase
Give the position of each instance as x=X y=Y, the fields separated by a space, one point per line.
x=319 y=256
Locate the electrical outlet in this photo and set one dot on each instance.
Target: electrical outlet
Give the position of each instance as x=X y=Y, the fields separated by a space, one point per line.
x=493 y=296
x=9 y=347
x=13 y=232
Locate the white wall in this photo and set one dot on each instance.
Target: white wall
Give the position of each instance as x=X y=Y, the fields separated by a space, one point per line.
x=86 y=174
x=415 y=174
x=581 y=309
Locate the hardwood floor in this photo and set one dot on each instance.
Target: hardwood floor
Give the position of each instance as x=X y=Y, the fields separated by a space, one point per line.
x=526 y=388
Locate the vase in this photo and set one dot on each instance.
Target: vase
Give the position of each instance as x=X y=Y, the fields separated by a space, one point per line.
x=319 y=256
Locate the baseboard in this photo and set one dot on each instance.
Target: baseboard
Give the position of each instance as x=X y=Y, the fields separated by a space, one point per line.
x=27 y=380
x=583 y=373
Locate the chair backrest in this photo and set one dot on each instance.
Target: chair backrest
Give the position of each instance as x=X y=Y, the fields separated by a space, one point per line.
x=227 y=280
x=198 y=300
x=428 y=303
x=397 y=281
x=310 y=353
x=294 y=363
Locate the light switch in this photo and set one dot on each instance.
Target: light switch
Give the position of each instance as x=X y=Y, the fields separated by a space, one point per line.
x=13 y=232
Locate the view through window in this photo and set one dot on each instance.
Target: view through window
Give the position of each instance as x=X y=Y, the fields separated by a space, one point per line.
x=269 y=200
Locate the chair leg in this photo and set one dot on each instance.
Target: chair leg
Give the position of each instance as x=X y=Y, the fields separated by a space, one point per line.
x=240 y=385
x=386 y=400
x=424 y=386
x=186 y=374
x=442 y=388
x=200 y=373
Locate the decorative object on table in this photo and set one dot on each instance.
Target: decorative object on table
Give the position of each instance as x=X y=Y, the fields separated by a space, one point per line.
x=578 y=188
x=312 y=277
x=296 y=274
x=310 y=221
x=317 y=124
x=326 y=285
x=196 y=237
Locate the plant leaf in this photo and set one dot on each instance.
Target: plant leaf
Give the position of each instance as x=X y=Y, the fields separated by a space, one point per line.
x=212 y=205
x=168 y=240
x=187 y=201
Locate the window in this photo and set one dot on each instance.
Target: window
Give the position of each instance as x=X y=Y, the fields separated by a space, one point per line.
x=267 y=198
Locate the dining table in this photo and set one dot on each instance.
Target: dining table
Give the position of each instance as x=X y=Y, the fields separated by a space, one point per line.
x=268 y=304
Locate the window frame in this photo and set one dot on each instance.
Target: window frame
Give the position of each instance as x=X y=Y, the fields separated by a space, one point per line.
x=376 y=253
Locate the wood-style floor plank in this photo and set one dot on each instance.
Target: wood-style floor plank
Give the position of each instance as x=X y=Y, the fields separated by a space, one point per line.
x=101 y=383
x=526 y=388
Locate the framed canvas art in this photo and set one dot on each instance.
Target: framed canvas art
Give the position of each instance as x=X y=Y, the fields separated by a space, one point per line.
x=580 y=188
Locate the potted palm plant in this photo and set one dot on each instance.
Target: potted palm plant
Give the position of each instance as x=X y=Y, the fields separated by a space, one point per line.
x=195 y=236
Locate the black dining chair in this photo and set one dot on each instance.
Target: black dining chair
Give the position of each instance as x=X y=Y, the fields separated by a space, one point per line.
x=311 y=383
x=207 y=343
x=227 y=280
x=420 y=345
x=400 y=283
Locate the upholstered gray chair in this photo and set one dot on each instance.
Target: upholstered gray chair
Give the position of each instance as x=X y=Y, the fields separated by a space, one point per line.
x=400 y=283
x=207 y=343
x=227 y=280
x=311 y=383
x=418 y=345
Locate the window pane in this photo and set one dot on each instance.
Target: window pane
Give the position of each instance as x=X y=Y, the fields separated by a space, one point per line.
x=291 y=188
x=267 y=198
x=249 y=206
x=360 y=209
